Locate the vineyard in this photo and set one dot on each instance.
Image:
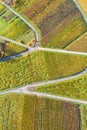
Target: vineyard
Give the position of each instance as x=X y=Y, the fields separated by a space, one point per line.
x=13 y=27
x=50 y=17
x=53 y=114
x=22 y=5
x=83 y=110
x=79 y=45
x=62 y=65
x=73 y=88
x=39 y=66
x=60 y=22
x=23 y=70
x=83 y=4
x=11 y=49
x=28 y=112
x=11 y=111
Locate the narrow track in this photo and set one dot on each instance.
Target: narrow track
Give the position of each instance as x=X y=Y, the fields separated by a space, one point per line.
x=61 y=98
x=24 y=89
x=80 y=9
x=24 y=20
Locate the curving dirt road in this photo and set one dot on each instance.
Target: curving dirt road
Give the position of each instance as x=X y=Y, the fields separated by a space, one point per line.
x=24 y=20
x=80 y=9
x=13 y=41
x=24 y=89
x=61 y=98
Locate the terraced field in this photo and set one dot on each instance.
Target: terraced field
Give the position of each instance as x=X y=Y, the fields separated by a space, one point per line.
x=79 y=45
x=28 y=112
x=60 y=22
